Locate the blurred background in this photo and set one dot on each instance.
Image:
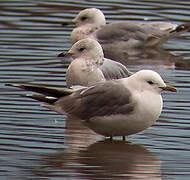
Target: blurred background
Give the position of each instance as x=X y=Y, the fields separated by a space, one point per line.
x=36 y=143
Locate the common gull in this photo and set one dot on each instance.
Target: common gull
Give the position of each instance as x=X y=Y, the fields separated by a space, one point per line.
x=89 y=66
x=112 y=108
x=119 y=39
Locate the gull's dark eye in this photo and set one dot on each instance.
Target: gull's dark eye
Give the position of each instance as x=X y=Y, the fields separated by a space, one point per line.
x=83 y=18
x=150 y=82
x=81 y=49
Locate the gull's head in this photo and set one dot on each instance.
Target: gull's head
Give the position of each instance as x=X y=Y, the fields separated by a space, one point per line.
x=151 y=80
x=88 y=49
x=90 y=16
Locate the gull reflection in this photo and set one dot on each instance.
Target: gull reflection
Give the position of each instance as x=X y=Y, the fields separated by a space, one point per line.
x=119 y=159
x=90 y=156
x=154 y=58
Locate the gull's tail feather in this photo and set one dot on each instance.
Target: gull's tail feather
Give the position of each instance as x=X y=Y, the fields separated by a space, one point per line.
x=45 y=94
x=181 y=28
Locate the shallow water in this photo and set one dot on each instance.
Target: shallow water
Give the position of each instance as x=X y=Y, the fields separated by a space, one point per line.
x=36 y=143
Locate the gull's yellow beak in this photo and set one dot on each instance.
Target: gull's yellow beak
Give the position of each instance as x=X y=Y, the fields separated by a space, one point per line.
x=169 y=88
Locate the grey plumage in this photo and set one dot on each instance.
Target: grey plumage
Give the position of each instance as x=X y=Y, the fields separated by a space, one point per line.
x=118 y=38
x=104 y=99
x=114 y=70
x=111 y=108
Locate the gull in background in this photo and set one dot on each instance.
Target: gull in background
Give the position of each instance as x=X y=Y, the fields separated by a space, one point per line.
x=89 y=66
x=118 y=37
x=112 y=108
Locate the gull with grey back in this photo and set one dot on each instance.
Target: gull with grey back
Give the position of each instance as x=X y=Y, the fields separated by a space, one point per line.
x=119 y=39
x=89 y=66
x=112 y=108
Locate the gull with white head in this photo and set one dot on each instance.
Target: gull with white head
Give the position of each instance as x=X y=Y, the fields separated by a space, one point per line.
x=118 y=37
x=89 y=66
x=112 y=108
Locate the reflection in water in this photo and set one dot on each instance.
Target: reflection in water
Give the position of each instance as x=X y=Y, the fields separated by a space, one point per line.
x=117 y=158
x=154 y=59
x=86 y=157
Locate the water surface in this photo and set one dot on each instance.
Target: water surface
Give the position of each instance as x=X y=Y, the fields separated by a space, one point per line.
x=36 y=143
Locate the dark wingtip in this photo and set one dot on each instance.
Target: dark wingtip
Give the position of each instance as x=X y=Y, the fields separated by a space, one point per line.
x=8 y=84
x=12 y=85
x=182 y=28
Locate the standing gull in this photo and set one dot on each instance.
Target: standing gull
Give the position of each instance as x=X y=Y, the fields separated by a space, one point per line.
x=89 y=66
x=112 y=108
x=118 y=37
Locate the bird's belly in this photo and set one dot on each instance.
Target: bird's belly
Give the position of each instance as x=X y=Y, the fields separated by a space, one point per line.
x=127 y=124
